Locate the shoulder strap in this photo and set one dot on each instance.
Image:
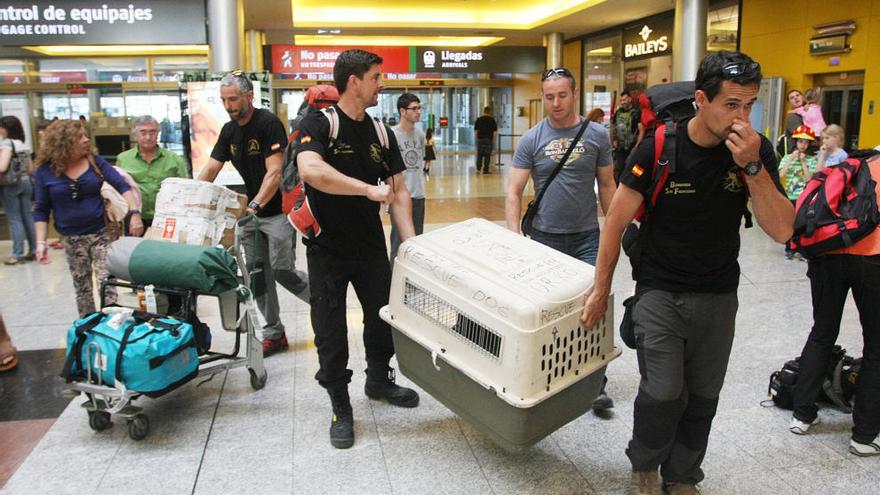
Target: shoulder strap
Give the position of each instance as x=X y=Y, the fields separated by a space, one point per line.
x=333 y=119
x=96 y=168
x=660 y=170
x=75 y=351
x=561 y=163
x=382 y=132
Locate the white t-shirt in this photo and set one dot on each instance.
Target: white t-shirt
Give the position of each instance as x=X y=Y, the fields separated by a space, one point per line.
x=412 y=150
x=21 y=149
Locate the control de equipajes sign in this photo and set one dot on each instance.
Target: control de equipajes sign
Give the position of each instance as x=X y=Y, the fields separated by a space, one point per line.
x=82 y=22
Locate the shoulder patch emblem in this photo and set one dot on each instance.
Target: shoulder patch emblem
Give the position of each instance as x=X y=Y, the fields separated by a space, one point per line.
x=637 y=170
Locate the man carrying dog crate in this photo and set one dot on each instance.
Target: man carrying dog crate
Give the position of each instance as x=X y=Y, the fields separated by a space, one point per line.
x=567 y=218
x=254 y=141
x=351 y=165
x=687 y=274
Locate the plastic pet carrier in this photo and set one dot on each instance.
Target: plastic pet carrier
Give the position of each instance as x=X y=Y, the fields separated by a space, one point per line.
x=487 y=322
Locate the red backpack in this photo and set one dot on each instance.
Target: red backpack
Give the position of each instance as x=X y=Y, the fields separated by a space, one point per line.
x=837 y=208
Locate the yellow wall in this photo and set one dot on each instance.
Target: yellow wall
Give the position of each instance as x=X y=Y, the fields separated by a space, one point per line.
x=573 y=58
x=776 y=33
x=525 y=87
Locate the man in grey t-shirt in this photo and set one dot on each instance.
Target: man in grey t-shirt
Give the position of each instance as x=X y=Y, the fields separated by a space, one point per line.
x=567 y=218
x=411 y=141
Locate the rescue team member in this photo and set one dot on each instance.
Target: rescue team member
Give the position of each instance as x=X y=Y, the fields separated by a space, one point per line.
x=347 y=181
x=254 y=141
x=688 y=272
x=567 y=219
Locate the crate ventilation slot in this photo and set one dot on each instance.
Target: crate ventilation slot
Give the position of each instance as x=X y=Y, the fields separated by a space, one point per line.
x=566 y=352
x=449 y=317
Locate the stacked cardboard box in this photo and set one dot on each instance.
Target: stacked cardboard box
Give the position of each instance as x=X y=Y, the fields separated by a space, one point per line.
x=196 y=212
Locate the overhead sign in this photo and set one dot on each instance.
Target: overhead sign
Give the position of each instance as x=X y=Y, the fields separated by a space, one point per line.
x=838 y=43
x=290 y=59
x=504 y=59
x=648 y=39
x=109 y=22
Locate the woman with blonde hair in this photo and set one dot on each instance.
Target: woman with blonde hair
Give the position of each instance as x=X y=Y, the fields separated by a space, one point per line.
x=831 y=152
x=68 y=187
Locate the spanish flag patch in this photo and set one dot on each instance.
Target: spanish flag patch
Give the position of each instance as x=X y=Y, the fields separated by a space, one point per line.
x=276 y=146
x=637 y=170
x=305 y=139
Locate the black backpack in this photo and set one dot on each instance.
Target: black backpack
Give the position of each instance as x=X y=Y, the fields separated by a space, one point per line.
x=839 y=386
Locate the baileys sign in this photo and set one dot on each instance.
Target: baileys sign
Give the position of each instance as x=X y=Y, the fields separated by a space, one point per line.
x=648 y=39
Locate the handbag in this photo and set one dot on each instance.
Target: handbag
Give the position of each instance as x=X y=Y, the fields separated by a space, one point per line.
x=16 y=169
x=532 y=209
x=115 y=206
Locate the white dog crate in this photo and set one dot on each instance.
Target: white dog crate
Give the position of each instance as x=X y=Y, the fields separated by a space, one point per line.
x=487 y=322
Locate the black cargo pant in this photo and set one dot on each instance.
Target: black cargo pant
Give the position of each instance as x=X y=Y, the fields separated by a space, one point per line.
x=683 y=343
x=831 y=278
x=329 y=276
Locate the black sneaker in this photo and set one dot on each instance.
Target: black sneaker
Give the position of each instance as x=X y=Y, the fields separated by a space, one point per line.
x=342 y=430
x=602 y=403
x=380 y=385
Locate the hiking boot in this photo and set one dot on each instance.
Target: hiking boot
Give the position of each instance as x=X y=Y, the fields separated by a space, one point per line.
x=674 y=488
x=644 y=483
x=380 y=385
x=602 y=403
x=865 y=449
x=799 y=427
x=271 y=346
x=342 y=423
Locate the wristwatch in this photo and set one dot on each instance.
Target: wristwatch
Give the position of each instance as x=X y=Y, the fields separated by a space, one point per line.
x=132 y=212
x=255 y=206
x=752 y=168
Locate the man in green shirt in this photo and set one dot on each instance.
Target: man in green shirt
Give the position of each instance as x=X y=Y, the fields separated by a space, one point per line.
x=148 y=164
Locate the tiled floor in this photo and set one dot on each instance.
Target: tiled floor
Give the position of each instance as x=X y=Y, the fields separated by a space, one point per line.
x=221 y=436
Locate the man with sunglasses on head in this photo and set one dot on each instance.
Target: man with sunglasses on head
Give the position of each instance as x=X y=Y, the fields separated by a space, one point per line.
x=567 y=218
x=348 y=178
x=687 y=274
x=254 y=141
x=411 y=141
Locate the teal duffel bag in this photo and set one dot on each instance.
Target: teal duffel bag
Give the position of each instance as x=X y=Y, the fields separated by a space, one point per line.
x=165 y=264
x=148 y=355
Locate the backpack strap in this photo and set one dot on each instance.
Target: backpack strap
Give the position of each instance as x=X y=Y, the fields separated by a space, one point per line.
x=382 y=132
x=664 y=156
x=333 y=119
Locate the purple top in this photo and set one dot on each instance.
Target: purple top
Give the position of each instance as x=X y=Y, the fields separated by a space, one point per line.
x=77 y=205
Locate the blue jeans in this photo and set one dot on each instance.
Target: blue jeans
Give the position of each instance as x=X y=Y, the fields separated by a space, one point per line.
x=581 y=245
x=20 y=215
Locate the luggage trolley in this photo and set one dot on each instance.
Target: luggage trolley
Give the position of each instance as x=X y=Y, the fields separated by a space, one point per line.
x=103 y=400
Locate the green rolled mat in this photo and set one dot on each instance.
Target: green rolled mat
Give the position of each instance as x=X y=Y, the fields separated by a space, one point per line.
x=166 y=264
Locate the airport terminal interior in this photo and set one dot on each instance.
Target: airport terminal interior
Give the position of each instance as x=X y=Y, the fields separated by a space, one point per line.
x=225 y=434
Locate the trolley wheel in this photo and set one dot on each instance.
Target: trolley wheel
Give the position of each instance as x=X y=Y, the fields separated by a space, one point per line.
x=99 y=420
x=258 y=382
x=139 y=427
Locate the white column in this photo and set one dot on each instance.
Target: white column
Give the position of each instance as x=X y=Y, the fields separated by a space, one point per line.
x=553 y=43
x=689 y=45
x=226 y=34
x=254 y=41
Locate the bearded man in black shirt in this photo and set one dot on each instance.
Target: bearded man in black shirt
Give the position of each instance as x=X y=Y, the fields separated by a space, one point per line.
x=254 y=141
x=348 y=177
x=687 y=274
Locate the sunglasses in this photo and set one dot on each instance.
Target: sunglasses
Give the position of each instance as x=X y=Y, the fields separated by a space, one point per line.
x=739 y=68
x=557 y=72
x=238 y=73
x=74 y=189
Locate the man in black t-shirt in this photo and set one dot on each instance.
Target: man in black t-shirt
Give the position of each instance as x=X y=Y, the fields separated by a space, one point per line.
x=687 y=274
x=254 y=141
x=485 y=132
x=347 y=180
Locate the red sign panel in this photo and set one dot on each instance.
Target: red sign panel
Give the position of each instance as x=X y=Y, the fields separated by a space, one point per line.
x=291 y=59
x=444 y=121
